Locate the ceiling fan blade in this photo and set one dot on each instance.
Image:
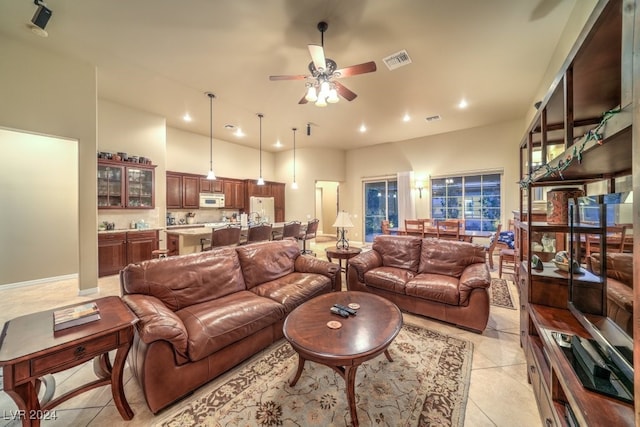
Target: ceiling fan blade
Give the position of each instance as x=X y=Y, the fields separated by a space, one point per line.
x=299 y=77
x=303 y=100
x=344 y=92
x=366 y=67
x=317 y=56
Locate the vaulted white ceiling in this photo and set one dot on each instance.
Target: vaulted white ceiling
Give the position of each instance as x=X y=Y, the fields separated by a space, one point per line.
x=161 y=56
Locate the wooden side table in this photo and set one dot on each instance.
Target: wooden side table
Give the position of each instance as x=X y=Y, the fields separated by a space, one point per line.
x=31 y=350
x=341 y=254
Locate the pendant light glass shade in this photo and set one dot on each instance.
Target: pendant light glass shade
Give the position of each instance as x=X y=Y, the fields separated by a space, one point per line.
x=211 y=175
x=260 y=179
x=294 y=184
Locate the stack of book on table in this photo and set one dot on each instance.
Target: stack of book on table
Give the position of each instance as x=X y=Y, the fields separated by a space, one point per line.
x=74 y=316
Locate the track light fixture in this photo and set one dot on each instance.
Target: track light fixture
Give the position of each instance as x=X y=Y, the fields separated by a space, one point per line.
x=40 y=19
x=260 y=179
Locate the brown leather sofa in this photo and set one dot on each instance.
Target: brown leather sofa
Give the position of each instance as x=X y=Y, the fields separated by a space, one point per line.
x=202 y=314
x=619 y=287
x=443 y=279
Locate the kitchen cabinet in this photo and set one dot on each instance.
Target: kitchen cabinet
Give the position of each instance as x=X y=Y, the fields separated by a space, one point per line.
x=118 y=249
x=174 y=190
x=112 y=253
x=277 y=189
x=173 y=244
x=234 y=194
x=183 y=191
x=269 y=189
x=211 y=186
x=140 y=244
x=125 y=185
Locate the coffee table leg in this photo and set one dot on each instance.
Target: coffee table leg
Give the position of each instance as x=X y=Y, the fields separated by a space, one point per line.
x=350 y=378
x=386 y=353
x=295 y=379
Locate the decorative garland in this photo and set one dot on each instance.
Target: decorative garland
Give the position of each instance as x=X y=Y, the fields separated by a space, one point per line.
x=593 y=134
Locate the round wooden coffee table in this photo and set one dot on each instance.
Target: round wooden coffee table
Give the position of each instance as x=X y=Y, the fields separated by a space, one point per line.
x=358 y=339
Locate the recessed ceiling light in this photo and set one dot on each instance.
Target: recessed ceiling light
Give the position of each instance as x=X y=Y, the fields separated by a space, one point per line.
x=238 y=133
x=186 y=117
x=406 y=118
x=463 y=103
x=363 y=128
x=278 y=144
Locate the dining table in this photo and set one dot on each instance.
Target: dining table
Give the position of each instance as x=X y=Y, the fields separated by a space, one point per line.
x=465 y=235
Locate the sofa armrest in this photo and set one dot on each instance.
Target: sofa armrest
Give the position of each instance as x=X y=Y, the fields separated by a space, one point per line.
x=364 y=262
x=157 y=322
x=474 y=276
x=307 y=264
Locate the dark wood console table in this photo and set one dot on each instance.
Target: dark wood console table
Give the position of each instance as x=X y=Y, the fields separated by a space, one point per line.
x=30 y=351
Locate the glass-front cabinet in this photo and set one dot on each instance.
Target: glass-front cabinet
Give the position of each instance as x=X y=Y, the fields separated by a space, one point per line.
x=122 y=185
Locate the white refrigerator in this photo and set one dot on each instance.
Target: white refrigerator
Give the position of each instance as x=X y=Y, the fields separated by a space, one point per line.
x=262 y=207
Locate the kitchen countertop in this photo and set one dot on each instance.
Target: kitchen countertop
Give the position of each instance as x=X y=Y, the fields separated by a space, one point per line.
x=201 y=229
x=129 y=230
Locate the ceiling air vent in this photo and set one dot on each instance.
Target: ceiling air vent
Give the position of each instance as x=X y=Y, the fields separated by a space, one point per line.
x=434 y=118
x=397 y=60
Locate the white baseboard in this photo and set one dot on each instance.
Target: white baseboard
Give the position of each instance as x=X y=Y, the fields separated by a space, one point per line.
x=39 y=281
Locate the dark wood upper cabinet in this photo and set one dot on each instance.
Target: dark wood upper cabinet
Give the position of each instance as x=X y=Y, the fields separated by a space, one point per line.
x=174 y=191
x=125 y=185
x=211 y=186
x=190 y=192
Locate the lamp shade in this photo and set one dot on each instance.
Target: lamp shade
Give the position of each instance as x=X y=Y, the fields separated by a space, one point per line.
x=343 y=220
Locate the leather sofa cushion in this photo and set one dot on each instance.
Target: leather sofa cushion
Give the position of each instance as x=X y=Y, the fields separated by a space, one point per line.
x=619 y=266
x=398 y=251
x=434 y=287
x=388 y=278
x=265 y=261
x=448 y=257
x=294 y=289
x=215 y=324
x=186 y=280
x=621 y=294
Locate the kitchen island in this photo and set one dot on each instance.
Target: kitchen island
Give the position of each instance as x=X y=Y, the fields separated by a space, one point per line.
x=186 y=240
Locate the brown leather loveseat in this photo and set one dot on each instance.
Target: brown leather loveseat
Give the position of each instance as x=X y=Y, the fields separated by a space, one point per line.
x=443 y=279
x=619 y=287
x=202 y=314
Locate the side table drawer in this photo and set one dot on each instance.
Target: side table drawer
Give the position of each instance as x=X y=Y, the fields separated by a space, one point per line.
x=95 y=347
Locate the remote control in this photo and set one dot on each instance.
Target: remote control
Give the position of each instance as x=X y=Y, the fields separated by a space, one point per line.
x=336 y=310
x=347 y=309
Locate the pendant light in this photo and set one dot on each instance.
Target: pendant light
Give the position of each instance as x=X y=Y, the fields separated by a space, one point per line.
x=260 y=180
x=294 y=184
x=211 y=175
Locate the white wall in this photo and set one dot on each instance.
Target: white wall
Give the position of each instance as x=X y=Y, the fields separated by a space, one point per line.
x=49 y=94
x=312 y=165
x=39 y=216
x=189 y=152
x=478 y=149
x=137 y=133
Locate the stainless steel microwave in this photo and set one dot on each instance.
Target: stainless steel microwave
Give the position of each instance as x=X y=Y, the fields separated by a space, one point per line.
x=211 y=200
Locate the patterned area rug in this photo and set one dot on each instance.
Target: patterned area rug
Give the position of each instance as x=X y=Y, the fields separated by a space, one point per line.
x=426 y=385
x=500 y=293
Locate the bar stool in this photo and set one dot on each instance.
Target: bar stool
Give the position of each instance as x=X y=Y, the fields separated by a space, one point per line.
x=160 y=253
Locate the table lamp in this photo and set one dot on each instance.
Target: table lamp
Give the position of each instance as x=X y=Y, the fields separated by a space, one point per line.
x=342 y=221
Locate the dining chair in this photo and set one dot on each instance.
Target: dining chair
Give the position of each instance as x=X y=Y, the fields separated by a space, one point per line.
x=308 y=234
x=414 y=227
x=508 y=256
x=430 y=226
x=290 y=229
x=615 y=240
x=259 y=233
x=227 y=236
x=493 y=241
x=448 y=229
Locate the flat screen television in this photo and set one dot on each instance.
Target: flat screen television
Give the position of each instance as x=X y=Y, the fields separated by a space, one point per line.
x=608 y=338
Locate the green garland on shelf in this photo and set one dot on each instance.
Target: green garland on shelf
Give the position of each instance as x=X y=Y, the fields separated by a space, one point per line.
x=593 y=134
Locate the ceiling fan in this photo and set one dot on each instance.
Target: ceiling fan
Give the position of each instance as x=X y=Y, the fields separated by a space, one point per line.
x=322 y=85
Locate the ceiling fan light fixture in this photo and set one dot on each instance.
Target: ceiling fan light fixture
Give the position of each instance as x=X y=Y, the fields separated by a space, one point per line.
x=333 y=96
x=322 y=101
x=312 y=95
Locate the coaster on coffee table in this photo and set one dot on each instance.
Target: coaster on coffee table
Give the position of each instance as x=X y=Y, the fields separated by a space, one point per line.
x=334 y=324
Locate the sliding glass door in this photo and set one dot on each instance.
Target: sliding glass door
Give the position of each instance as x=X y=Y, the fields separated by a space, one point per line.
x=380 y=203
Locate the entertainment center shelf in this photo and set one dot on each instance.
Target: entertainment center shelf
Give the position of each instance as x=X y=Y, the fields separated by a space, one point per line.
x=581 y=142
x=553 y=377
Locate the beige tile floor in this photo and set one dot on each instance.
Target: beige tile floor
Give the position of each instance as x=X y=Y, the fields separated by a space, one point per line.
x=499 y=394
